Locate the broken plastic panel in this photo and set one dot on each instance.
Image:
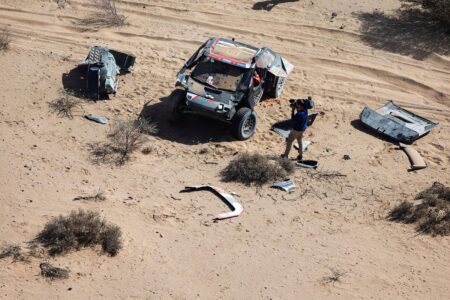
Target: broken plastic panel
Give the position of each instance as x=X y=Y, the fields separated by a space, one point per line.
x=228 y=198
x=286 y=185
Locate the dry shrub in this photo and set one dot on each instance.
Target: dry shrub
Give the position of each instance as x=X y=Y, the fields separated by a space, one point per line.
x=438 y=9
x=107 y=16
x=51 y=272
x=64 y=105
x=432 y=215
x=256 y=169
x=78 y=230
x=125 y=137
x=5 y=39
x=14 y=251
x=335 y=276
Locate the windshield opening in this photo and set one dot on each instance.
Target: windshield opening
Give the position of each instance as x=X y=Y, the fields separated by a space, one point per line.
x=218 y=74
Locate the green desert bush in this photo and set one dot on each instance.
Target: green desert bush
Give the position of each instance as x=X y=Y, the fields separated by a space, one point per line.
x=78 y=230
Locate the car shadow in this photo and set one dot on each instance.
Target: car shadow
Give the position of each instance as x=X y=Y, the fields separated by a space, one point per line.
x=269 y=5
x=191 y=131
x=409 y=32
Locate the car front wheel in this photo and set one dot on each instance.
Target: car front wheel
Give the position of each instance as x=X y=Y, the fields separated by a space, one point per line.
x=244 y=123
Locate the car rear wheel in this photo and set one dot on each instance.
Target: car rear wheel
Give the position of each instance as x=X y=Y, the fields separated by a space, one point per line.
x=278 y=87
x=178 y=102
x=244 y=123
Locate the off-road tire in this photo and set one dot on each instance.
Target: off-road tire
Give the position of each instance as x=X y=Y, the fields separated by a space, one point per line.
x=278 y=87
x=178 y=104
x=244 y=123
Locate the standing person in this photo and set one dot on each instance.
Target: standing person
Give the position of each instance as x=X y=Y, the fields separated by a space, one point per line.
x=299 y=118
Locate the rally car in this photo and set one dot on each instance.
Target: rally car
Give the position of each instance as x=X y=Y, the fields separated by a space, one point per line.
x=225 y=80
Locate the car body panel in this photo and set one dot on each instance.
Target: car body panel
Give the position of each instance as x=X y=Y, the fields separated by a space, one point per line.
x=396 y=123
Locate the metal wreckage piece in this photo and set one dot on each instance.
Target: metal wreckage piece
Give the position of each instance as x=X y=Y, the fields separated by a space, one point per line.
x=226 y=197
x=396 y=123
x=100 y=69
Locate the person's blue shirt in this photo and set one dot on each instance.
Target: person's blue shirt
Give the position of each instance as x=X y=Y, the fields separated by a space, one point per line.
x=300 y=120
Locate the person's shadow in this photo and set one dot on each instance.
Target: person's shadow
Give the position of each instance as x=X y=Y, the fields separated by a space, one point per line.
x=268 y=5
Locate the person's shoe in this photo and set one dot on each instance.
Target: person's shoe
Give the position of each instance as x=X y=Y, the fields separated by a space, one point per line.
x=299 y=158
x=282 y=156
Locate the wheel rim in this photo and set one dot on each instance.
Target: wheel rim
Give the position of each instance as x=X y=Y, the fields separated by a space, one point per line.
x=249 y=126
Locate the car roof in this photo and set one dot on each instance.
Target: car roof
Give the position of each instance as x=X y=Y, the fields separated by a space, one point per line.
x=233 y=52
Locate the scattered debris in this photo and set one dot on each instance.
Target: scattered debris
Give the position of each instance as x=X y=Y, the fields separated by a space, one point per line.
x=432 y=215
x=51 y=272
x=346 y=157
x=98 y=119
x=306 y=163
x=416 y=160
x=99 y=196
x=286 y=185
x=396 y=123
x=326 y=174
x=305 y=145
x=228 y=198
x=100 y=69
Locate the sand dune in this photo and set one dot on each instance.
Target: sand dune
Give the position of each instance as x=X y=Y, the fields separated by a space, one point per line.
x=283 y=245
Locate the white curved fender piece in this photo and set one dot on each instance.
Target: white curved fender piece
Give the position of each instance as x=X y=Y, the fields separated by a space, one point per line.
x=417 y=161
x=228 y=198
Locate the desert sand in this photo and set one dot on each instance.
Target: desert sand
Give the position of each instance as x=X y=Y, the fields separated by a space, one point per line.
x=283 y=245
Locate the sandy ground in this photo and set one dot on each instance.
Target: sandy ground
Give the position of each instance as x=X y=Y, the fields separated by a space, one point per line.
x=283 y=245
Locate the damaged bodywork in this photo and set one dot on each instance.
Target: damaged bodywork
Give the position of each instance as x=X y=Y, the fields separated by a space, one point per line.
x=100 y=70
x=226 y=197
x=225 y=80
x=396 y=123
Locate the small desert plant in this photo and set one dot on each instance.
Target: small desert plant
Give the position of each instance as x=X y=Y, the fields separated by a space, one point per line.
x=51 y=272
x=14 y=251
x=5 y=38
x=438 y=9
x=78 y=230
x=106 y=16
x=433 y=213
x=255 y=169
x=62 y=3
x=147 y=150
x=63 y=106
x=125 y=137
x=335 y=276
